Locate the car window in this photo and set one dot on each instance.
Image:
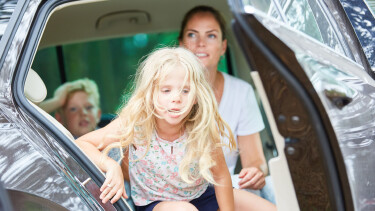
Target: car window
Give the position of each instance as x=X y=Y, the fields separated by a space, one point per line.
x=303 y=15
x=362 y=19
x=6 y=7
x=111 y=63
x=371 y=4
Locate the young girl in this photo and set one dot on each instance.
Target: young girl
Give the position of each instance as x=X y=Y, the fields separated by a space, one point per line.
x=171 y=131
x=76 y=105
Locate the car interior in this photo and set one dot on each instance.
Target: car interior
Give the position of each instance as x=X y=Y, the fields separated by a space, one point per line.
x=74 y=30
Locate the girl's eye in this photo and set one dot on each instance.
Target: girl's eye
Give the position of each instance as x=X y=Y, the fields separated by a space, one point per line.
x=73 y=109
x=185 y=91
x=89 y=108
x=165 y=90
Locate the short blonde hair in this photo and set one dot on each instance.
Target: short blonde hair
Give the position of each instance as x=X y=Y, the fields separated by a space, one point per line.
x=87 y=85
x=203 y=124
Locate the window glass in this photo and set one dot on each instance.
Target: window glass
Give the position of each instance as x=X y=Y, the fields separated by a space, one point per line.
x=46 y=65
x=110 y=63
x=371 y=4
x=303 y=15
x=362 y=19
x=6 y=9
x=300 y=17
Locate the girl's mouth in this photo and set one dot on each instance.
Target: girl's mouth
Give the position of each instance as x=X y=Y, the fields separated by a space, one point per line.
x=84 y=123
x=174 y=111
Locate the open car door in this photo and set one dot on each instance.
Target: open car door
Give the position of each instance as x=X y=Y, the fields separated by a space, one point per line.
x=321 y=101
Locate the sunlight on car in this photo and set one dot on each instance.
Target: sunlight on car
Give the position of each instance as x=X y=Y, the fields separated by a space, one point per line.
x=6 y=8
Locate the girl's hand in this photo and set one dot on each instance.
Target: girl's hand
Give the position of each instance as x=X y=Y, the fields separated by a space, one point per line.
x=251 y=178
x=113 y=186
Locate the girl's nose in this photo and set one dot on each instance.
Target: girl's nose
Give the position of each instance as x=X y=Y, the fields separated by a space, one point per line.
x=176 y=98
x=84 y=111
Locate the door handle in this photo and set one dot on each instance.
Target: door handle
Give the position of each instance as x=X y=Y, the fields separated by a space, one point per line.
x=339 y=99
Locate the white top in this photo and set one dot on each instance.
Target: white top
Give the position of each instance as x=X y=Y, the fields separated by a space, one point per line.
x=155 y=177
x=239 y=108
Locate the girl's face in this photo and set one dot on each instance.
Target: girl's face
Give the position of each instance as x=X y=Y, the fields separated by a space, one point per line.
x=202 y=35
x=80 y=114
x=173 y=99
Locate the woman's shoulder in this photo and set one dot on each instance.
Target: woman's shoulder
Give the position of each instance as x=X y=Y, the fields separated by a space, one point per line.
x=236 y=84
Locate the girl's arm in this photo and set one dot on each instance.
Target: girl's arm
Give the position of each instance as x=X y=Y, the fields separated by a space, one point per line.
x=224 y=188
x=57 y=101
x=92 y=143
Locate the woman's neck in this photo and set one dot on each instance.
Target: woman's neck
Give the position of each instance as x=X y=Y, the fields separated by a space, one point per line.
x=216 y=80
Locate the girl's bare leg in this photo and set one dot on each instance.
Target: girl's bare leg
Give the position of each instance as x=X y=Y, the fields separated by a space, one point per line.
x=246 y=201
x=175 y=205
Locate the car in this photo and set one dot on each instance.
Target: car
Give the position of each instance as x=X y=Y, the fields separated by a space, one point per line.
x=310 y=61
x=320 y=86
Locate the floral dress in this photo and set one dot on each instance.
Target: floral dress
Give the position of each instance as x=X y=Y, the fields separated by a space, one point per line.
x=155 y=177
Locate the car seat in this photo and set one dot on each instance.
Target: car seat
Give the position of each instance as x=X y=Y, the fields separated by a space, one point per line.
x=35 y=91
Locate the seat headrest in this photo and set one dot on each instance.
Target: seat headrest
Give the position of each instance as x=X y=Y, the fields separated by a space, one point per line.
x=35 y=89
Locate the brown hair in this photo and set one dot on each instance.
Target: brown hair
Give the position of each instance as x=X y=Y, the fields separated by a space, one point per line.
x=202 y=9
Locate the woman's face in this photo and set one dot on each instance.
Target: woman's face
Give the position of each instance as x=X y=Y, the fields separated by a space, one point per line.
x=80 y=114
x=203 y=36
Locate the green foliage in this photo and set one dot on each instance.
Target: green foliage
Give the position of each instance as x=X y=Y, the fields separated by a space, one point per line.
x=111 y=63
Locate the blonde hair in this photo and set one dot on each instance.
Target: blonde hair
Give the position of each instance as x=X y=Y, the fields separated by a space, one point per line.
x=87 y=85
x=203 y=124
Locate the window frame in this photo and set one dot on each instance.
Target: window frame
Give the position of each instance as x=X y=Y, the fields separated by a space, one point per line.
x=24 y=63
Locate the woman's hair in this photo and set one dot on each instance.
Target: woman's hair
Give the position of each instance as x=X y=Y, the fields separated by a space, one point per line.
x=203 y=124
x=202 y=9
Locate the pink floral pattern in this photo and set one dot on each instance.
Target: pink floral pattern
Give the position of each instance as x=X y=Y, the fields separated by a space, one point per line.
x=155 y=177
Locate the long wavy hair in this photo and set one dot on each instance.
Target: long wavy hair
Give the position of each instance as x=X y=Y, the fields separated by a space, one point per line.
x=203 y=124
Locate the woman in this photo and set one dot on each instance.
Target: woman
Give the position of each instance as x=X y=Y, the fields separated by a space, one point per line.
x=203 y=32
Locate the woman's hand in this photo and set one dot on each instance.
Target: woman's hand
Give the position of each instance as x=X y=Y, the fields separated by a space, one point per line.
x=251 y=178
x=113 y=186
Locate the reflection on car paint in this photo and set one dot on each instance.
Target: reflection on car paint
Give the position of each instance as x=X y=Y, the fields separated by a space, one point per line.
x=353 y=123
x=6 y=8
x=23 y=166
x=363 y=22
x=32 y=163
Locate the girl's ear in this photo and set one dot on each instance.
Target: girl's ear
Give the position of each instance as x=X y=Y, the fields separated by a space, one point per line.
x=58 y=117
x=98 y=116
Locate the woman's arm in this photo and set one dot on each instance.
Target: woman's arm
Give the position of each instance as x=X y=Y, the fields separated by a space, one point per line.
x=224 y=188
x=92 y=143
x=254 y=166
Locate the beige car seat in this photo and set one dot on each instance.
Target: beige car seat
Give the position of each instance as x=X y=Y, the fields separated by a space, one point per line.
x=36 y=91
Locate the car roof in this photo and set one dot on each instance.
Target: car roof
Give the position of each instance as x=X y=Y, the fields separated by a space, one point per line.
x=94 y=20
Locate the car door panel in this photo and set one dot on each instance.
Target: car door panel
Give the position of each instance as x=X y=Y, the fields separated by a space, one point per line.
x=311 y=148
